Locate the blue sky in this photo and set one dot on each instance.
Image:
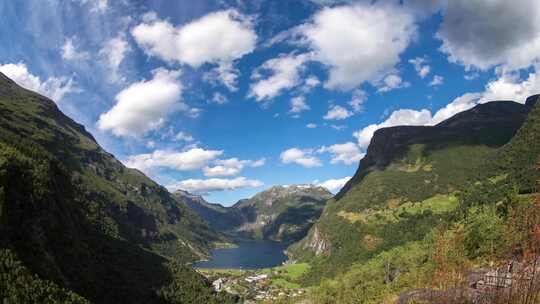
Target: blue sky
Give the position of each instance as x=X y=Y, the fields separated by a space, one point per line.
x=227 y=98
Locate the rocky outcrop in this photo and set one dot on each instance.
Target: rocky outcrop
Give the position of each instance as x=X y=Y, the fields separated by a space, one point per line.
x=318 y=243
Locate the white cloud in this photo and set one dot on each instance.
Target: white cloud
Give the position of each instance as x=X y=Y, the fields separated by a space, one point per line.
x=284 y=74
x=99 y=6
x=459 y=104
x=221 y=36
x=298 y=104
x=311 y=126
x=54 y=88
x=224 y=73
x=401 y=117
x=334 y=185
x=483 y=34
x=357 y=101
x=231 y=166
x=420 y=66
x=70 y=52
x=338 y=127
x=437 y=81
x=304 y=157
x=337 y=113
x=506 y=87
x=193 y=159
x=512 y=87
x=359 y=42
x=310 y=83
x=145 y=105
x=114 y=52
x=219 y=98
x=183 y=136
x=392 y=82
x=218 y=38
x=204 y=186
x=347 y=153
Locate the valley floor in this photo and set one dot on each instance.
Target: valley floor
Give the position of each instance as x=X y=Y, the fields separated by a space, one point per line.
x=269 y=285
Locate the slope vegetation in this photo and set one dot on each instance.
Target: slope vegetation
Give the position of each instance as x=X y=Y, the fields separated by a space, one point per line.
x=281 y=213
x=75 y=223
x=405 y=186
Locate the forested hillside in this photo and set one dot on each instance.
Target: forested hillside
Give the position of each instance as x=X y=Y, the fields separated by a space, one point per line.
x=74 y=220
x=428 y=207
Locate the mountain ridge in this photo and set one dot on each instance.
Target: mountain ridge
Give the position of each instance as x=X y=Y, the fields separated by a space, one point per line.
x=75 y=217
x=437 y=160
x=266 y=215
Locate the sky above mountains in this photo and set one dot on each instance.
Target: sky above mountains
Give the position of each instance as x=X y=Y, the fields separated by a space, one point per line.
x=227 y=98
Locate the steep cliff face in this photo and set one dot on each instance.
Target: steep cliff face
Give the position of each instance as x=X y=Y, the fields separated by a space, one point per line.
x=281 y=213
x=405 y=184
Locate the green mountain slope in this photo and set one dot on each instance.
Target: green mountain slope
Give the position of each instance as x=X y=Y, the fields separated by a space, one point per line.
x=73 y=217
x=491 y=222
x=405 y=186
x=131 y=206
x=281 y=213
x=519 y=157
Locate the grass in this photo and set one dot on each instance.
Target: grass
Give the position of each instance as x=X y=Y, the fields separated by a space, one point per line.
x=222 y=271
x=283 y=283
x=438 y=204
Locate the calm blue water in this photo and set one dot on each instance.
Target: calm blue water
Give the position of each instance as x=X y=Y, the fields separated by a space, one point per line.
x=248 y=255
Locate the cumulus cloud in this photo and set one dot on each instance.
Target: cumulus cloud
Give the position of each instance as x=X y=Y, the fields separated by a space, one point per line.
x=300 y=157
x=334 y=185
x=217 y=38
x=311 y=126
x=506 y=87
x=420 y=66
x=347 y=153
x=70 y=52
x=483 y=34
x=193 y=159
x=284 y=74
x=205 y=186
x=54 y=88
x=298 y=104
x=392 y=82
x=114 y=52
x=231 y=166
x=221 y=36
x=437 y=81
x=372 y=51
x=145 y=105
x=337 y=113
x=402 y=117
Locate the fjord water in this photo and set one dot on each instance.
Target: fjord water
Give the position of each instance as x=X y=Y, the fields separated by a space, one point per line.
x=248 y=255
